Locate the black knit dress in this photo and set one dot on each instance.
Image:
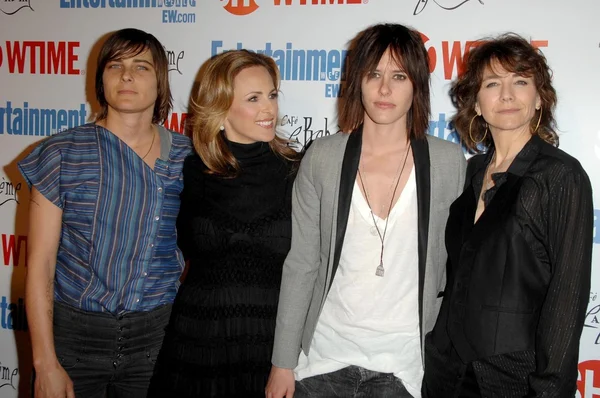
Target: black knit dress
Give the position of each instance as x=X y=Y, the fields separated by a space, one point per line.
x=235 y=233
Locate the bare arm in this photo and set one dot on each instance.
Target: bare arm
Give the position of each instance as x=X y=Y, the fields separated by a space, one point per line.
x=44 y=234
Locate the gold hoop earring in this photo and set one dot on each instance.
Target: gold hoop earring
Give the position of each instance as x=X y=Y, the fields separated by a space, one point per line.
x=538 y=123
x=471 y=132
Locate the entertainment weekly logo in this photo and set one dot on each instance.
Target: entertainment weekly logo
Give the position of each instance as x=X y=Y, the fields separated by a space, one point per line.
x=246 y=7
x=11 y=7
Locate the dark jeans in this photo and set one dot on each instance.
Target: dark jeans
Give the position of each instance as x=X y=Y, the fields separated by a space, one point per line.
x=352 y=382
x=107 y=355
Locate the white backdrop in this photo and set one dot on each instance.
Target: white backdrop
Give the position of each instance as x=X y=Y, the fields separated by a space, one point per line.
x=47 y=48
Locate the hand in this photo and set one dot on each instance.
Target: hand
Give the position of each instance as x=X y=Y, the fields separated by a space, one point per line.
x=53 y=382
x=281 y=383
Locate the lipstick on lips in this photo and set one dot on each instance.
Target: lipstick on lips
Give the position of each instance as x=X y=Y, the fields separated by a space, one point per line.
x=384 y=105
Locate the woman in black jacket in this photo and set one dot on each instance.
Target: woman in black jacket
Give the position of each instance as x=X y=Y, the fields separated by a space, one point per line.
x=519 y=239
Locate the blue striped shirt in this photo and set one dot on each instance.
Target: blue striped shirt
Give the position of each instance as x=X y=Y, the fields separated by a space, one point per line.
x=118 y=245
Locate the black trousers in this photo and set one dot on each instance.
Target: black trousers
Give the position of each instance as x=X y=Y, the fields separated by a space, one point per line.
x=106 y=355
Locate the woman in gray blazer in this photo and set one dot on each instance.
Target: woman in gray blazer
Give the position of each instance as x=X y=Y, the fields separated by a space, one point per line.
x=363 y=281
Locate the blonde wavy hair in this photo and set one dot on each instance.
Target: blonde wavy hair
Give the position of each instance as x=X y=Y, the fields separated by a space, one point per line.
x=211 y=102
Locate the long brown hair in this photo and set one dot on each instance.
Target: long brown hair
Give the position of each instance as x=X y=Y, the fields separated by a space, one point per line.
x=515 y=55
x=127 y=43
x=211 y=102
x=407 y=49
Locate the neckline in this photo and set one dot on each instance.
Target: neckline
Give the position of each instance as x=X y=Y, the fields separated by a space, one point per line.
x=248 y=151
x=401 y=203
x=161 y=135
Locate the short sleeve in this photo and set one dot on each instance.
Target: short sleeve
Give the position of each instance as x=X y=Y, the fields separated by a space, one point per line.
x=41 y=169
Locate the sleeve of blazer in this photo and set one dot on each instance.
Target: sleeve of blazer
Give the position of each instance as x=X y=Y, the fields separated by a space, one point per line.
x=301 y=265
x=570 y=218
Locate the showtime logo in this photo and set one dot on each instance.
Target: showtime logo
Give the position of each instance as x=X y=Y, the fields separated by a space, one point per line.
x=176 y=122
x=588 y=380
x=41 y=57
x=14 y=250
x=449 y=55
x=245 y=7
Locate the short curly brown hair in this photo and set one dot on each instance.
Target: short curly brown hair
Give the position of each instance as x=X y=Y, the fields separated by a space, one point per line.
x=515 y=55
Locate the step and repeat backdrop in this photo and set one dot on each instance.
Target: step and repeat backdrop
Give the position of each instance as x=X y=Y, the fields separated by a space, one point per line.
x=47 y=56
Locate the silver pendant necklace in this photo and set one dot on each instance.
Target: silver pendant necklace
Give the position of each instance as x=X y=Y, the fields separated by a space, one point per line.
x=380 y=271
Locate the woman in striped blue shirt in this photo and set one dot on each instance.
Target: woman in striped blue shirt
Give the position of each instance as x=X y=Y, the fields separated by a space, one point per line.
x=103 y=259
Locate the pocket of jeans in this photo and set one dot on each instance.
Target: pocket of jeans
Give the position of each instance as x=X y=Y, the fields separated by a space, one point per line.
x=68 y=362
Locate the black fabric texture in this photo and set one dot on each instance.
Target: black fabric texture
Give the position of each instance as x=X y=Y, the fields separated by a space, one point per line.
x=235 y=233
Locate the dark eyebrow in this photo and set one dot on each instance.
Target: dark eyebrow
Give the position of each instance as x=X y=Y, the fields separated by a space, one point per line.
x=495 y=76
x=143 y=61
x=394 y=71
x=490 y=76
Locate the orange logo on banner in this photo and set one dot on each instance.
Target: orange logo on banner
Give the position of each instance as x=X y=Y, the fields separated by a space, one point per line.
x=241 y=7
x=588 y=383
x=454 y=53
x=315 y=2
x=176 y=124
x=245 y=7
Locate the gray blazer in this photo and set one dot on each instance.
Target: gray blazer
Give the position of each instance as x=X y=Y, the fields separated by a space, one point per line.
x=320 y=207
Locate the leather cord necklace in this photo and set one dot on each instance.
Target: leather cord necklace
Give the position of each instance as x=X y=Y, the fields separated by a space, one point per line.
x=380 y=271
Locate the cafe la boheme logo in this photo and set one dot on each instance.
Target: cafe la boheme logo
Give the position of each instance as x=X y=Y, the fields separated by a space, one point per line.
x=9 y=377
x=11 y=7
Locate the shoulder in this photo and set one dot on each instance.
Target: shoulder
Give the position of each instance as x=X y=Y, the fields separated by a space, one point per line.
x=445 y=154
x=181 y=146
x=73 y=136
x=476 y=162
x=180 y=139
x=556 y=164
x=193 y=165
x=441 y=147
x=76 y=140
x=329 y=142
x=327 y=147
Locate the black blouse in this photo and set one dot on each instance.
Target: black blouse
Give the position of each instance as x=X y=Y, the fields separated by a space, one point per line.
x=518 y=279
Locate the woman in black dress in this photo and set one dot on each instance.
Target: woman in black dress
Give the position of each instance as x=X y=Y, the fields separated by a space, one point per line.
x=234 y=228
x=519 y=239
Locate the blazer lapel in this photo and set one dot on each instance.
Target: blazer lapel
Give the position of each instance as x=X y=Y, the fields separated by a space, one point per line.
x=420 y=149
x=347 y=178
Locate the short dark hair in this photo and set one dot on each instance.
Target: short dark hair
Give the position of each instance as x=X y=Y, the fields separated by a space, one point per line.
x=515 y=55
x=365 y=51
x=127 y=43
